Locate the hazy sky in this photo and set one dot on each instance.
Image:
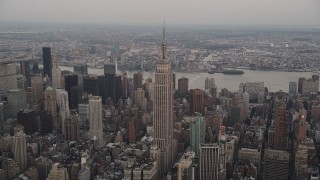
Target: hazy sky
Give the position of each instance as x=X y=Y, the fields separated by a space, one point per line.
x=211 y=12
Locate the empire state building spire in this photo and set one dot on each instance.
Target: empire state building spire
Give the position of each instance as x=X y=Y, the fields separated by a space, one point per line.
x=163 y=45
x=163 y=113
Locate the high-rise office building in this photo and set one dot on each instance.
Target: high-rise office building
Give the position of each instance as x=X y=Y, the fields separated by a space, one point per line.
x=56 y=74
x=75 y=97
x=186 y=168
x=95 y=119
x=209 y=83
x=183 y=86
x=138 y=98
x=72 y=127
x=281 y=127
x=25 y=70
x=118 y=87
x=35 y=93
x=71 y=84
x=83 y=110
x=292 y=87
x=253 y=89
x=35 y=68
x=198 y=133
x=234 y=115
x=21 y=82
x=137 y=80
x=20 y=150
x=47 y=64
x=58 y=173
x=3 y=114
x=27 y=118
x=46 y=122
x=110 y=68
x=276 y=165
x=50 y=105
x=163 y=112
x=197 y=101
x=209 y=161
x=110 y=87
x=91 y=85
x=131 y=131
x=16 y=101
x=81 y=69
x=125 y=85
x=63 y=103
x=307 y=86
x=8 y=76
x=174 y=80
x=130 y=87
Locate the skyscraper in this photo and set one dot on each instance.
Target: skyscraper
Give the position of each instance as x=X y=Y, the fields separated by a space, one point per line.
x=137 y=80
x=276 y=165
x=183 y=86
x=198 y=132
x=25 y=69
x=50 y=105
x=45 y=122
x=72 y=127
x=16 y=101
x=95 y=118
x=307 y=86
x=131 y=131
x=8 y=76
x=138 y=98
x=118 y=87
x=125 y=85
x=209 y=161
x=81 y=69
x=71 y=81
x=91 y=85
x=46 y=56
x=292 y=87
x=163 y=112
x=196 y=101
x=56 y=74
x=35 y=93
x=27 y=118
x=174 y=80
x=281 y=127
x=110 y=68
x=63 y=103
x=20 y=150
x=58 y=172
x=209 y=83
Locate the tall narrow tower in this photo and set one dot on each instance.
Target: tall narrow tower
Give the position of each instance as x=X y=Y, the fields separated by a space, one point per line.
x=47 y=65
x=162 y=112
x=95 y=119
x=20 y=150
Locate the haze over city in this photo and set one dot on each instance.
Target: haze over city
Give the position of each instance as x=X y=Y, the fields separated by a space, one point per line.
x=208 y=12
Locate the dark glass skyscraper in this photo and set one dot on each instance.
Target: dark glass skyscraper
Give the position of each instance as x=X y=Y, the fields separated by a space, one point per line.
x=47 y=65
x=27 y=118
x=71 y=81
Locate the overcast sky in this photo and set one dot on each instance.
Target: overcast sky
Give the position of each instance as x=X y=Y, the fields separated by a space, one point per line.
x=210 y=12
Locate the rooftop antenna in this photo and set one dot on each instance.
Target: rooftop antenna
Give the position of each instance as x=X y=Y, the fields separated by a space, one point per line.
x=163 y=45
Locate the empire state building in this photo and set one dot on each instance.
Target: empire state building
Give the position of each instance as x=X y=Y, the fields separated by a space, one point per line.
x=163 y=112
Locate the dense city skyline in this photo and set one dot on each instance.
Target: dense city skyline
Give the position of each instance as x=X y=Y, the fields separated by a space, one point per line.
x=122 y=102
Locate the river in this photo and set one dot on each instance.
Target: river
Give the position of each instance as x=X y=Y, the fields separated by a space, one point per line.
x=274 y=80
